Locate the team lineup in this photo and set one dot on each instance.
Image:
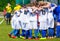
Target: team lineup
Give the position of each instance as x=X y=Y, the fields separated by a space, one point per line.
x=39 y=17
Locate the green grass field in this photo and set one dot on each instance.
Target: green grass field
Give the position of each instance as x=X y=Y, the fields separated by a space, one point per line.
x=5 y=29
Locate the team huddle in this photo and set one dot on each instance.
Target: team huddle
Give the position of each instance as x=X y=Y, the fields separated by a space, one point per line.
x=37 y=17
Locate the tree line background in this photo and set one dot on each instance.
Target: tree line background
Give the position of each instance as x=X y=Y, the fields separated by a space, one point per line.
x=3 y=4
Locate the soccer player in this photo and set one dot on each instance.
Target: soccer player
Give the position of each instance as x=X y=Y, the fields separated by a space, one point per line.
x=43 y=20
x=57 y=13
x=15 y=25
x=25 y=23
x=51 y=21
x=43 y=23
x=33 y=22
x=8 y=15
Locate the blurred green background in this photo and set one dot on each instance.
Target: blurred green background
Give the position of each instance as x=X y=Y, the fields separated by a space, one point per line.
x=3 y=3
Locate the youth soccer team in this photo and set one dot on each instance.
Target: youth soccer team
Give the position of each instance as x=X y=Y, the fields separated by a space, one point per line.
x=38 y=17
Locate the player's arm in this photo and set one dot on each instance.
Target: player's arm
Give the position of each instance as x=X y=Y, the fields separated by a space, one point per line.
x=46 y=5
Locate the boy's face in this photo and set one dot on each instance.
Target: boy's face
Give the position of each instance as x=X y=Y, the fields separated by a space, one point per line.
x=9 y=4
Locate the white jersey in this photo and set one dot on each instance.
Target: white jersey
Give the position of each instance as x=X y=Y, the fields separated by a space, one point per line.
x=33 y=17
x=22 y=10
x=25 y=21
x=43 y=20
x=33 y=21
x=22 y=15
x=29 y=9
x=15 y=22
x=25 y=18
x=50 y=19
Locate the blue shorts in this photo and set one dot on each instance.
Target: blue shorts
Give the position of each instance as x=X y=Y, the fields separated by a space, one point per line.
x=8 y=15
x=58 y=20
